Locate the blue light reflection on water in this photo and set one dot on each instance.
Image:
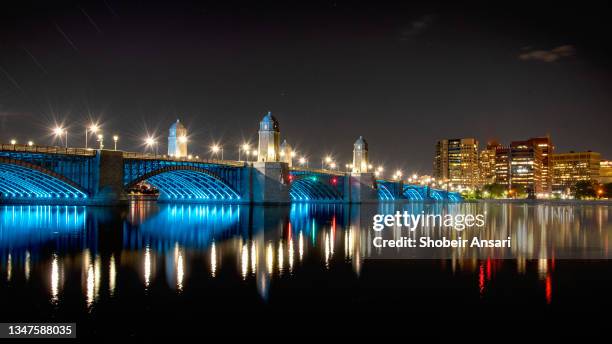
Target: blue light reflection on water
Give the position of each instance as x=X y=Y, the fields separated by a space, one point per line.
x=28 y=225
x=178 y=245
x=193 y=226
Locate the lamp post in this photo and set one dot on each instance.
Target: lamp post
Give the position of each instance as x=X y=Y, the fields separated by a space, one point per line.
x=215 y=149
x=93 y=129
x=326 y=160
x=245 y=147
x=115 y=139
x=13 y=142
x=101 y=141
x=59 y=131
x=150 y=142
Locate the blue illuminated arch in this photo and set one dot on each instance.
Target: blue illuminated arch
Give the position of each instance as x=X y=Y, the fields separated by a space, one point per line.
x=190 y=184
x=312 y=188
x=436 y=194
x=454 y=197
x=22 y=180
x=384 y=194
x=412 y=193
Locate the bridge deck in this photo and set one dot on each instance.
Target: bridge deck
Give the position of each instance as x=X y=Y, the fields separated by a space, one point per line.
x=318 y=170
x=47 y=150
x=148 y=156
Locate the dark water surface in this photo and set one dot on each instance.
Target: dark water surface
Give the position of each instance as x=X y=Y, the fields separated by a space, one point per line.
x=203 y=269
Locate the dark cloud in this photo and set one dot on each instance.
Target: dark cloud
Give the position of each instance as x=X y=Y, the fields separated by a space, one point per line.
x=551 y=55
x=417 y=26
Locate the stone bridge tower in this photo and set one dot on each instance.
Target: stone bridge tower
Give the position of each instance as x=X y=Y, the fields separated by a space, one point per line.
x=177 y=140
x=269 y=139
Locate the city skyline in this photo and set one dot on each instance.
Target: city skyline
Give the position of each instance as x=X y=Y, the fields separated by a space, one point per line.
x=429 y=72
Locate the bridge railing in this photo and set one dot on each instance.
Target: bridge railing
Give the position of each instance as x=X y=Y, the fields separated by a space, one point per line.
x=149 y=156
x=318 y=170
x=47 y=149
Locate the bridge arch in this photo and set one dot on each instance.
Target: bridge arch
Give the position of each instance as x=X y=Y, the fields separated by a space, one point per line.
x=21 y=179
x=313 y=188
x=384 y=194
x=437 y=195
x=414 y=193
x=188 y=183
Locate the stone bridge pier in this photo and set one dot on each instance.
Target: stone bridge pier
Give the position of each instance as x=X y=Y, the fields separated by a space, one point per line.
x=270 y=183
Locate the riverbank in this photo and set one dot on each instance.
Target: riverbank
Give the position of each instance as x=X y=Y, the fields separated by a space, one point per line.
x=546 y=201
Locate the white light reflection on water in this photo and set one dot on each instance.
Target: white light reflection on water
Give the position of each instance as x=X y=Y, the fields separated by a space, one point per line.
x=213 y=260
x=147 y=267
x=112 y=276
x=299 y=238
x=244 y=261
x=55 y=279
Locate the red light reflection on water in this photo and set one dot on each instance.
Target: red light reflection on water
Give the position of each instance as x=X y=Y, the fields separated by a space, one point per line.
x=481 y=280
x=548 y=289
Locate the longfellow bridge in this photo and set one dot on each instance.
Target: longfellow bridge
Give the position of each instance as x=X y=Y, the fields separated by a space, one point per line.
x=54 y=175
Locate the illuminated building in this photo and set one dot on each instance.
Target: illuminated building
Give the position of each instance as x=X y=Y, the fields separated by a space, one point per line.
x=502 y=165
x=544 y=144
x=525 y=170
x=456 y=161
x=269 y=139
x=177 y=140
x=524 y=164
x=605 y=171
x=286 y=153
x=360 y=156
x=486 y=165
x=572 y=167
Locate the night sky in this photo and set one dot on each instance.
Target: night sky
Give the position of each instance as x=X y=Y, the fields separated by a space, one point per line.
x=402 y=75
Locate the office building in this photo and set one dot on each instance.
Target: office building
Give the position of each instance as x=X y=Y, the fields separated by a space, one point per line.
x=456 y=162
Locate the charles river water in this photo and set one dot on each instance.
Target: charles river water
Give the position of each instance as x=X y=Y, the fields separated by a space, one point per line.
x=150 y=268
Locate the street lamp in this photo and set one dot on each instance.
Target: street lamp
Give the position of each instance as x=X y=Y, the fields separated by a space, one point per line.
x=13 y=142
x=215 y=149
x=101 y=140
x=326 y=160
x=59 y=131
x=302 y=161
x=93 y=128
x=30 y=143
x=245 y=147
x=115 y=139
x=150 y=142
x=332 y=165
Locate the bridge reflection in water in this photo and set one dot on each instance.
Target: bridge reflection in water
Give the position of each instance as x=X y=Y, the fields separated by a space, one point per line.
x=171 y=246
